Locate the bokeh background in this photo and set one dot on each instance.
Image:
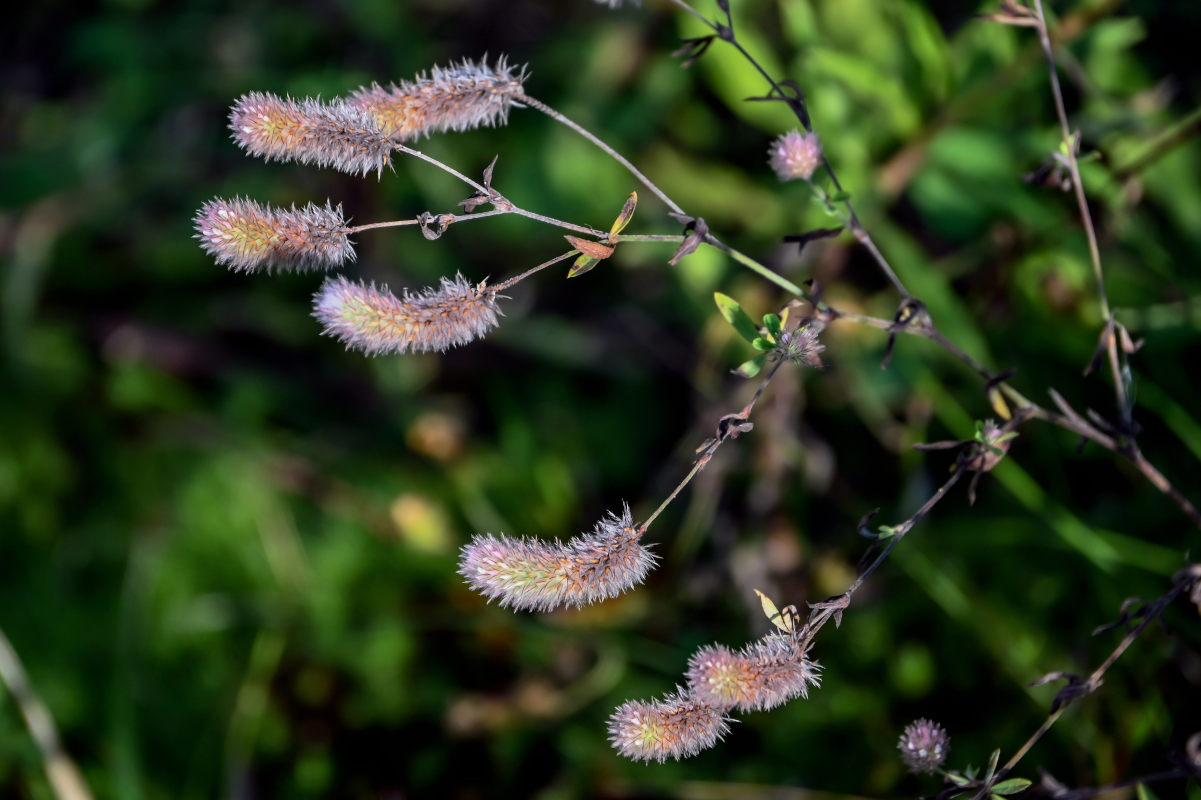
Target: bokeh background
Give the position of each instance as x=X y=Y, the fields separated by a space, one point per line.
x=228 y=547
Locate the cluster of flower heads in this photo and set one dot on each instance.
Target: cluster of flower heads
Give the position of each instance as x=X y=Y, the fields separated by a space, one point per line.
x=762 y=675
x=358 y=134
x=536 y=575
x=376 y=321
x=247 y=236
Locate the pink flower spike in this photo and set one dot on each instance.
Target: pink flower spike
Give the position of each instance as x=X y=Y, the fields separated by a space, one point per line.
x=376 y=321
x=308 y=131
x=677 y=726
x=531 y=574
x=247 y=236
x=460 y=97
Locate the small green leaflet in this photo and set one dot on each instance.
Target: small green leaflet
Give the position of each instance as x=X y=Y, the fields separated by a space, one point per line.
x=784 y=620
x=750 y=368
x=623 y=219
x=734 y=315
x=1011 y=786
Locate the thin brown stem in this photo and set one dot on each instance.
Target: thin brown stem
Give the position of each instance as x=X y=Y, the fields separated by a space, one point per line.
x=726 y=33
x=65 y=779
x=1184 y=581
x=711 y=446
x=500 y=287
x=824 y=612
x=590 y=136
x=1070 y=145
x=479 y=187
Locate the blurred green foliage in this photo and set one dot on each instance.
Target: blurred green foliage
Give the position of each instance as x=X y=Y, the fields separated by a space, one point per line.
x=228 y=547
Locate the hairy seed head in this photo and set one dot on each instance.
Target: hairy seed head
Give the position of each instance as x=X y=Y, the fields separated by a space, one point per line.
x=800 y=346
x=676 y=726
x=376 y=321
x=764 y=674
x=795 y=155
x=247 y=236
x=924 y=746
x=308 y=131
x=455 y=98
x=531 y=574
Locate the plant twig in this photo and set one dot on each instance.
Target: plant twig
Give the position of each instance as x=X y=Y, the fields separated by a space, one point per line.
x=66 y=781
x=1184 y=581
x=1070 y=145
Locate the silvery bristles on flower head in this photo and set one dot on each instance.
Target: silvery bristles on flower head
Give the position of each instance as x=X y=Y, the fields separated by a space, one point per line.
x=376 y=321
x=800 y=346
x=247 y=236
x=456 y=98
x=531 y=574
x=677 y=726
x=764 y=674
x=308 y=131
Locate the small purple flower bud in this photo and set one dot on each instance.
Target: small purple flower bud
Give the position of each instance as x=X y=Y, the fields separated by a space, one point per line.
x=795 y=155
x=676 y=726
x=924 y=746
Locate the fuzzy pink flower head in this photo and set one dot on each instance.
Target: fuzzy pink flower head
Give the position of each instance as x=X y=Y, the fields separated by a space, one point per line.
x=335 y=135
x=247 y=236
x=924 y=746
x=676 y=726
x=795 y=155
x=376 y=321
x=460 y=97
x=766 y=673
x=536 y=575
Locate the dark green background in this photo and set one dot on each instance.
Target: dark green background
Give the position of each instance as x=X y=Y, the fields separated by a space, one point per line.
x=228 y=547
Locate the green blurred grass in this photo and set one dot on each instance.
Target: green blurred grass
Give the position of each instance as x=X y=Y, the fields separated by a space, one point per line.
x=229 y=547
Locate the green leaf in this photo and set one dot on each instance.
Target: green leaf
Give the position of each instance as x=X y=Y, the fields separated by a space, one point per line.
x=759 y=343
x=627 y=213
x=734 y=315
x=1143 y=793
x=957 y=779
x=996 y=754
x=1011 y=786
x=840 y=197
x=772 y=323
x=886 y=531
x=749 y=369
x=582 y=264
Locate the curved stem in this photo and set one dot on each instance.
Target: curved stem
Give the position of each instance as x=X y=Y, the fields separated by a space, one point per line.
x=726 y=33
x=518 y=278
x=590 y=136
x=1070 y=145
x=66 y=781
